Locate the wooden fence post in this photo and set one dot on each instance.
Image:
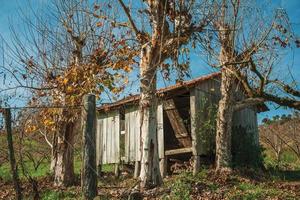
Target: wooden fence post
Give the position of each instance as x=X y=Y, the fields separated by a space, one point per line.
x=13 y=165
x=89 y=171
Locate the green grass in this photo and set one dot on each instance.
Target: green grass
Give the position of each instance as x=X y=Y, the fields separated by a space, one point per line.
x=181 y=185
x=69 y=194
x=5 y=172
x=237 y=187
x=288 y=160
x=43 y=170
x=252 y=191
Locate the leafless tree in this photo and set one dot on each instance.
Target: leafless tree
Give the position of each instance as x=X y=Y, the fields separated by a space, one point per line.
x=63 y=36
x=245 y=45
x=169 y=27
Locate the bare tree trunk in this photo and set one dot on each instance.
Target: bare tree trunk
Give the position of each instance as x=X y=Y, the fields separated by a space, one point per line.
x=225 y=109
x=150 y=174
x=224 y=122
x=64 y=166
x=53 y=153
x=13 y=165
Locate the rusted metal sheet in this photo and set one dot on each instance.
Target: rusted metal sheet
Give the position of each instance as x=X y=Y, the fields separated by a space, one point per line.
x=108 y=138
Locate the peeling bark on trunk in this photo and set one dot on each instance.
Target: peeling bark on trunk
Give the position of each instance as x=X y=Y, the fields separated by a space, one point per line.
x=64 y=166
x=226 y=103
x=150 y=174
x=224 y=118
x=226 y=107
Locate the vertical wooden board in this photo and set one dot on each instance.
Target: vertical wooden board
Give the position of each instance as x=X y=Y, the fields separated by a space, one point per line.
x=160 y=131
x=133 y=134
x=107 y=145
x=112 y=133
x=104 y=140
x=256 y=129
x=109 y=133
x=138 y=136
x=132 y=137
x=99 y=142
x=201 y=114
x=127 y=135
x=117 y=138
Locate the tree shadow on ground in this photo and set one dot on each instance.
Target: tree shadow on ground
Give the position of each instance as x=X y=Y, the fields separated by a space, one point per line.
x=286 y=175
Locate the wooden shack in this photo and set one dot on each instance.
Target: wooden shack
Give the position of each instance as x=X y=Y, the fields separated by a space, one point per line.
x=185 y=117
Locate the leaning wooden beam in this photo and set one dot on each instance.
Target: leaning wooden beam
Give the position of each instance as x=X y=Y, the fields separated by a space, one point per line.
x=178 y=151
x=177 y=123
x=194 y=104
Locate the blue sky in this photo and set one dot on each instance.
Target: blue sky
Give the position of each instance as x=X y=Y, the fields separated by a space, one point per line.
x=9 y=10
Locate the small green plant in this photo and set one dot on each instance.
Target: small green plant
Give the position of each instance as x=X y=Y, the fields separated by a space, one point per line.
x=206 y=126
x=5 y=174
x=181 y=190
x=58 y=195
x=245 y=152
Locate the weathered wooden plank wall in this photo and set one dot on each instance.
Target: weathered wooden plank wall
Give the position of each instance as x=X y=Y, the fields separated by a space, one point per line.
x=204 y=98
x=108 y=138
x=247 y=118
x=132 y=135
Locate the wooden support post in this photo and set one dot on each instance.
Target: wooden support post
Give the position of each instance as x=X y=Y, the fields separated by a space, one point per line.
x=194 y=106
x=99 y=170
x=117 y=170
x=13 y=165
x=161 y=141
x=163 y=166
x=89 y=173
x=137 y=169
